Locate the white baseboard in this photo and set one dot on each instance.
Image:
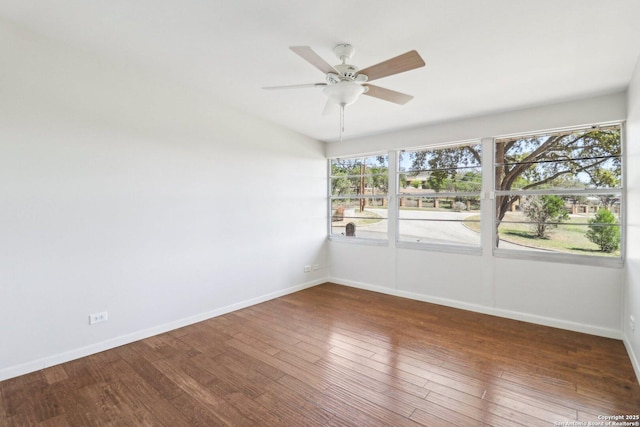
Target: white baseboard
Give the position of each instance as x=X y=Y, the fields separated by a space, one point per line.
x=56 y=359
x=508 y=314
x=633 y=357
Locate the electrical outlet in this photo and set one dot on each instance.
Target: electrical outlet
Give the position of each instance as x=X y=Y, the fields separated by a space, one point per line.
x=307 y=269
x=315 y=267
x=98 y=317
x=632 y=323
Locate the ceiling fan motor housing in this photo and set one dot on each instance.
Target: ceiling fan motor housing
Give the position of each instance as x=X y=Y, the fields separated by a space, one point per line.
x=347 y=71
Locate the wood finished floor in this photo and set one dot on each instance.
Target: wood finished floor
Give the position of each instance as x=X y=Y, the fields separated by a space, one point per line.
x=333 y=355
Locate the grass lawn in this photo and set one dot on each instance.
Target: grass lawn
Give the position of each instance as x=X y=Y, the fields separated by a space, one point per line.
x=568 y=237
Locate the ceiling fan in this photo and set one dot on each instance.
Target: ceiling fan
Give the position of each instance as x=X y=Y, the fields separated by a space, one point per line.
x=344 y=83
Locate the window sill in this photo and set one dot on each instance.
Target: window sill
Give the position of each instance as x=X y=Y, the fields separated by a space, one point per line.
x=559 y=257
x=358 y=241
x=458 y=249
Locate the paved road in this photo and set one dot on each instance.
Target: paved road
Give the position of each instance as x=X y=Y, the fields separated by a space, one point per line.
x=443 y=231
x=443 y=228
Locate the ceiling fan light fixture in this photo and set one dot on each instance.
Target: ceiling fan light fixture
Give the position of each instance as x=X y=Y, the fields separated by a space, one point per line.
x=344 y=93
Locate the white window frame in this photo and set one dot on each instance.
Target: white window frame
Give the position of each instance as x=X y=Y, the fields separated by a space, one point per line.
x=357 y=239
x=560 y=257
x=441 y=247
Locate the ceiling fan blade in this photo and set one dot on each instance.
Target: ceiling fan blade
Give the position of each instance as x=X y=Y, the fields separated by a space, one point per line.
x=401 y=63
x=296 y=86
x=388 y=94
x=313 y=58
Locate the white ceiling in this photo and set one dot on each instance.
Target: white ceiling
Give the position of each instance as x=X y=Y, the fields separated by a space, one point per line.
x=482 y=56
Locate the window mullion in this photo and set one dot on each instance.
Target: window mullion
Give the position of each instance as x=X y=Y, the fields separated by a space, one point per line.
x=487 y=202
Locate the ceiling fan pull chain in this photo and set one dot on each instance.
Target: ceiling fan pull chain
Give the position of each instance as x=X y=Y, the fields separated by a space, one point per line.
x=341 y=121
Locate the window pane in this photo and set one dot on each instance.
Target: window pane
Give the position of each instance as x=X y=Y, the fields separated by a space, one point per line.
x=368 y=217
x=559 y=192
x=453 y=169
x=580 y=224
x=454 y=221
x=360 y=176
x=584 y=159
x=359 y=216
x=439 y=195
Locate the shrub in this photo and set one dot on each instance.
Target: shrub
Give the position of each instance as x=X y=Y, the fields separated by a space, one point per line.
x=544 y=209
x=607 y=236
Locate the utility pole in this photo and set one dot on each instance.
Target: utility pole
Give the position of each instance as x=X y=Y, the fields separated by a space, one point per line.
x=363 y=202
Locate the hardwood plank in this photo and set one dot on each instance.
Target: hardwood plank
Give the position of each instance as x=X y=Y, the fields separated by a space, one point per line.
x=204 y=340
x=554 y=410
x=58 y=421
x=195 y=412
x=82 y=406
x=3 y=404
x=196 y=394
x=292 y=414
x=138 y=390
x=54 y=374
x=79 y=373
x=302 y=402
x=166 y=346
x=340 y=370
x=308 y=377
x=115 y=405
x=385 y=378
x=155 y=378
x=335 y=356
x=226 y=379
x=437 y=415
x=45 y=404
x=387 y=410
x=343 y=413
x=486 y=412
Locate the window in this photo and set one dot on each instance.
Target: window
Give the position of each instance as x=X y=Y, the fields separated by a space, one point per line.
x=359 y=197
x=439 y=196
x=560 y=193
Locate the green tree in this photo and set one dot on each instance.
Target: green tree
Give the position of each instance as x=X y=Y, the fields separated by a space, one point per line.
x=603 y=231
x=443 y=165
x=545 y=212
x=359 y=176
x=403 y=180
x=340 y=183
x=379 y=179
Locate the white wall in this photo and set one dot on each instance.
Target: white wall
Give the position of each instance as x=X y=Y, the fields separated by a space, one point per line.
x=576 y=297
x=632 y=277
x=121 y=192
